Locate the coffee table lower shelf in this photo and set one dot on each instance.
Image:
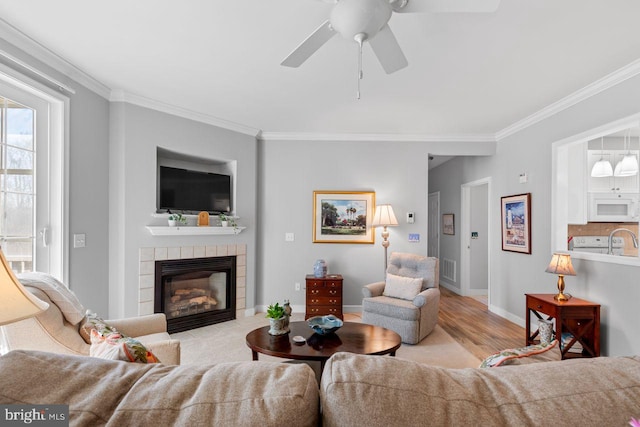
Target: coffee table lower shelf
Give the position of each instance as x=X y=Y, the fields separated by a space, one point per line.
x=352 y=337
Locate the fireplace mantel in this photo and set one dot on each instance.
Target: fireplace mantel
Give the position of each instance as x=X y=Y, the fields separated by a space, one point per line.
x=164 y=230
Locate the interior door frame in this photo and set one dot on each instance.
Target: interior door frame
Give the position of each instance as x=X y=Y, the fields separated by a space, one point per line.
x=465 y=235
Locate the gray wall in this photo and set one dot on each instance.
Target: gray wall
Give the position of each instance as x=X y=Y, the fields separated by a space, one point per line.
x=290 y=171
x=614 y=286
x=88 y=184
x=136 y=132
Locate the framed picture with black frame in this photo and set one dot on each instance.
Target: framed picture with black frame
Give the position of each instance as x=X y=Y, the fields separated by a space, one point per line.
x=448 y=224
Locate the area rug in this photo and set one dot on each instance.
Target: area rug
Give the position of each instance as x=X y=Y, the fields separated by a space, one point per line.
x=225 y=342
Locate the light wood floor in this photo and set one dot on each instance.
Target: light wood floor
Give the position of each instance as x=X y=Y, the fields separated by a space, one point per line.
x=478 y=330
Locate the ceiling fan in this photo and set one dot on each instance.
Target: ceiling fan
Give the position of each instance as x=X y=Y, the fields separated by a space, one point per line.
x=367 y=20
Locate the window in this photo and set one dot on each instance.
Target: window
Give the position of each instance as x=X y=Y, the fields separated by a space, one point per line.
x=32 y=178
x=17 y=189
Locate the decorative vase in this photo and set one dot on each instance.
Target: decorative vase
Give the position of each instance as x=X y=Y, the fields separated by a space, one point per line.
x=224 y=223
x=279 y=326
x=545 y=331
x=320 y=268
x=172 y=223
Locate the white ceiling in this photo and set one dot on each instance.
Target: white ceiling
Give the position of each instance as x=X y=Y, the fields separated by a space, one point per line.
x=468 y=74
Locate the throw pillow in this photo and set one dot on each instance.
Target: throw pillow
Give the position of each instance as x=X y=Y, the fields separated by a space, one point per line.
x=402 y=287
x=115 y=346
x=515 y=355
x=107 y=343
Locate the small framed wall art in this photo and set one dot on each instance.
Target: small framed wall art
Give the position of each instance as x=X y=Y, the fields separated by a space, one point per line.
x=343 y=216
x=448 y=224
x=516 y=223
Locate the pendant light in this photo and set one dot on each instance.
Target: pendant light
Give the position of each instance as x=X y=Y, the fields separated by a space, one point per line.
x=602 y=168
x=628 y=166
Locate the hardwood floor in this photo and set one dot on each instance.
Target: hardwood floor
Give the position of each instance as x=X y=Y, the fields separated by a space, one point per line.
x=478 y=330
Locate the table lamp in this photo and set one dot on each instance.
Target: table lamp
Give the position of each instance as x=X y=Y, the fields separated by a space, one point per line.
x=16 y=303
x=384 y=217
x=561 y=265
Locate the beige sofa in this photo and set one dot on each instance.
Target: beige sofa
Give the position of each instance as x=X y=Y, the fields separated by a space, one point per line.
x=355 y=391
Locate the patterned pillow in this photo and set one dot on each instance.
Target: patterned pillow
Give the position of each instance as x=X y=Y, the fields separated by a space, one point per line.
x=107 y=343
x=513 y=355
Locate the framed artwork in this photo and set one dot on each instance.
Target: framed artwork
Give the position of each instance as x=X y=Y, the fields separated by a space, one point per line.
x=516 y=223
x=343 y=216
x=448 y=224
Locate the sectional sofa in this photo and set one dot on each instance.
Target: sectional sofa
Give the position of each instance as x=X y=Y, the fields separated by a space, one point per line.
x=354 y=391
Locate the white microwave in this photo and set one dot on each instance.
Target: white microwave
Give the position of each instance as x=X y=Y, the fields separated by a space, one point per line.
x=614 y=207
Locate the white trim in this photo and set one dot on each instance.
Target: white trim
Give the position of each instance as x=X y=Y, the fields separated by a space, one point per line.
x=608 y=81
x=118 y=95
x=509 y=316
x=50 y=58
x=372 y=137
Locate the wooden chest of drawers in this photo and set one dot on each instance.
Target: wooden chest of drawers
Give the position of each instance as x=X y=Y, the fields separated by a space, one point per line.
x=324 y=296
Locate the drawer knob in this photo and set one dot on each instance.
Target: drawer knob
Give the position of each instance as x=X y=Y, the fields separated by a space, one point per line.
x=539 y=306
x=315 y=292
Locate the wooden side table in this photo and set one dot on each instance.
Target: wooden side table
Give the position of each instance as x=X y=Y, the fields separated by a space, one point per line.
x=577 y=317
x=324 y=296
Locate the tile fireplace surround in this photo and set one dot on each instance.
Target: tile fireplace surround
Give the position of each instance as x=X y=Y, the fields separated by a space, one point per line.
x=148 y=257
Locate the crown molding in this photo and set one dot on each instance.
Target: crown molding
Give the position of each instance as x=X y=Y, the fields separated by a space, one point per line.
x=33 y=48
x=608 y=81
x=122 y=96
x=372 y=137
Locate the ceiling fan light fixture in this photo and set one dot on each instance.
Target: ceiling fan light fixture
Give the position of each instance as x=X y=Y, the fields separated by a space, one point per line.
x=353 y=17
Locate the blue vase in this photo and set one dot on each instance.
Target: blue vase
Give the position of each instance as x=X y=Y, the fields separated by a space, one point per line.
x=320 y=268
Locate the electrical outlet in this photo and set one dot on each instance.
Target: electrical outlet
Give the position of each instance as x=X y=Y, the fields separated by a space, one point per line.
x=79 y=240
x=297 y=286
x=289 y=237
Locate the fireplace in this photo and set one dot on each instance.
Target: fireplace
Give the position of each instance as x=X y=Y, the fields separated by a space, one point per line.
x=195 y=292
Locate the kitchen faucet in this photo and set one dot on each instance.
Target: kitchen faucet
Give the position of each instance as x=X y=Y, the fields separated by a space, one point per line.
x=633 y=237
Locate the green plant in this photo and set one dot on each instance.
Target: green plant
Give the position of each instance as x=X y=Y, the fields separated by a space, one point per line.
x=275 y=311
x=228 y=219
x=178 y=218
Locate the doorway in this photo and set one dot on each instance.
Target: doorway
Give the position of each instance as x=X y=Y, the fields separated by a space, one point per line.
x=475 y=239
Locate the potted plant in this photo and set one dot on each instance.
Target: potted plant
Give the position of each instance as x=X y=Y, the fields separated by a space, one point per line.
x=278 y=320
x=177 y=219
x=226 y=221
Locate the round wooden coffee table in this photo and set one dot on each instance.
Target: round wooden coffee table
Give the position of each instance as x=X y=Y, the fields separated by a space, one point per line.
x=352 y=337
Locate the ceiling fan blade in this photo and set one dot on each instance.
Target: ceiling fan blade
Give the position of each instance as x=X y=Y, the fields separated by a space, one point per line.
x=388 y=51
x=308 y=47
x=461 y=6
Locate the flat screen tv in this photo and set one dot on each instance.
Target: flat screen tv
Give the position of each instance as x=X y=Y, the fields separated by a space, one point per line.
x=189 y=191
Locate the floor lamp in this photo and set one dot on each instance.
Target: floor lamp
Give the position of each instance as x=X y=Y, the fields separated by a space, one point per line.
x=384 y=217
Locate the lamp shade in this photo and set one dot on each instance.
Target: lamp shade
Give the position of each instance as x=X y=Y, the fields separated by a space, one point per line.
x=628 y=166
x=16 y=303
x=384 y=216
x=602 y=168
x=561 y=264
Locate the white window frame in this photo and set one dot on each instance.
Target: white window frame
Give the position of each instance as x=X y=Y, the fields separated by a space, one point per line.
x=59 y=106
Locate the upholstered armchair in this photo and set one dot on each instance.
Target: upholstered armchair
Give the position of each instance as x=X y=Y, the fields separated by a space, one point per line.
x=407 y=302
x=59 y=329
